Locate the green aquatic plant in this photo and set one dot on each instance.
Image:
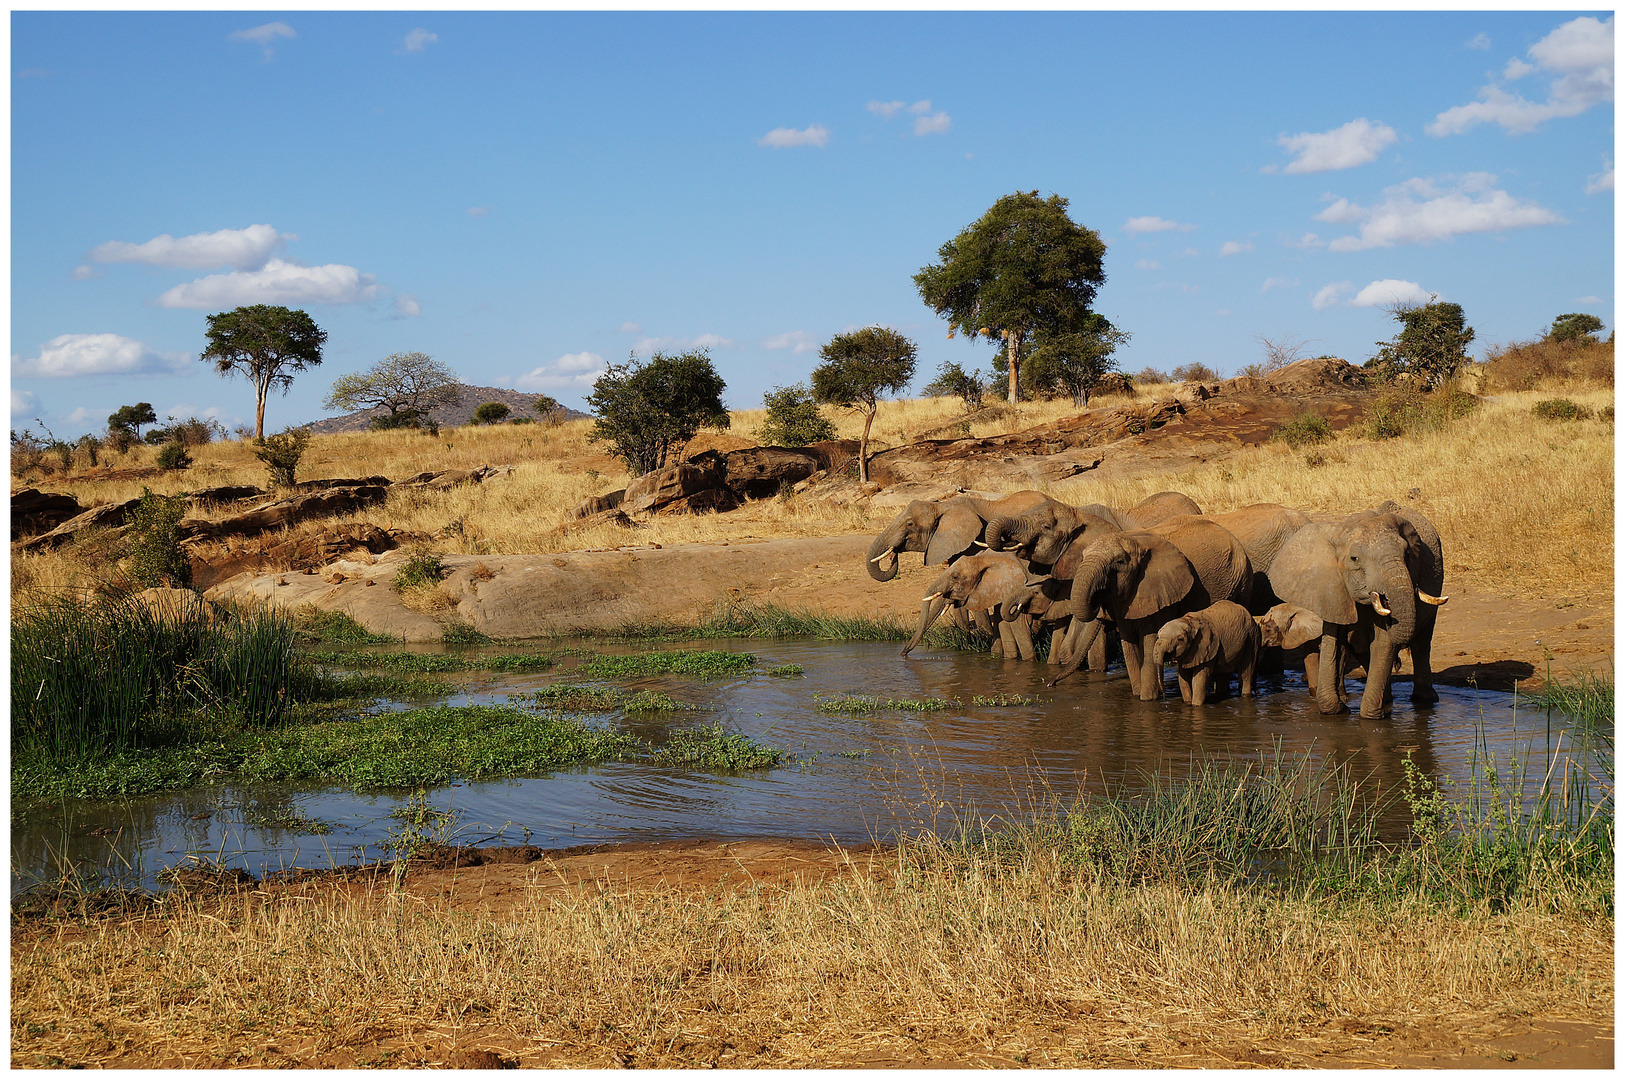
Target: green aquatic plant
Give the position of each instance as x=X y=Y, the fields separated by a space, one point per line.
x=713 y=748
x=857 y=704
x=704 y=664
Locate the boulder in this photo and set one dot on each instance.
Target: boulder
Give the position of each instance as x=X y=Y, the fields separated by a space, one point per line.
x=303 y=553
x=1114 y=383
x=285 y=512
x=759 y=471
x=611 y=516
x=106 y=516
x=653 y=490
x=595 y=504
x=326 y=485
x=34 y=511
x=710 y=500
x=227 y=493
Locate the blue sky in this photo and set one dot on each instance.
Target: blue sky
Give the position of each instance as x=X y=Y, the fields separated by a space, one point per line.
x=526 y=196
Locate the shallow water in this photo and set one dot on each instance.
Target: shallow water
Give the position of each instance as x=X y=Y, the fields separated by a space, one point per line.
x=849 y=777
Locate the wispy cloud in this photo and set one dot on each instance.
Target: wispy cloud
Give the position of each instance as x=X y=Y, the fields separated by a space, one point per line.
x=1147 y=264
x=1603 y=181
x=278 y=282
x=1390 y=291
x=1329 y=294
x=23 y=402
x=925 y=121
x=784 y=138
x=1355 y=143
x=886 y=109
x=631 y=328
x=418 y=40
x=797 y=341
x=68 y=355
x=573 y=371
x=1308 y=241
x=1235 y=247
x=650 y=345
x=1154 y=224
x=264 y=36
x=1579 y=55
x=1277 y=283
x=935 y=124
x=1420 y=211
x=243 y=249
x=1479 y=41
x=408 y=306
x=478 y=211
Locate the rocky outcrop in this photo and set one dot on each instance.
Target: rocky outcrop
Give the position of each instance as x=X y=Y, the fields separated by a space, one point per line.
x=594 y=505
x=760 y=471
x=106 y=516
x=293 y=553
x=654 y=490
x=286 y=512
x=713 y=482
x=34 y=511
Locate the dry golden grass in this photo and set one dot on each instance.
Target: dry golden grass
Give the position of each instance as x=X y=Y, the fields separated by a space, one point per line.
x=1029 y=962
x=1523 y=505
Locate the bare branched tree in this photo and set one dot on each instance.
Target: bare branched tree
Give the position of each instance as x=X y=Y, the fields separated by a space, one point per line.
x=1278 y=353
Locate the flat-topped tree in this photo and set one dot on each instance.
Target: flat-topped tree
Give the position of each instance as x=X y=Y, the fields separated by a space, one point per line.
x=858 y=368
x=1022 y=267
x=408 y=384
x=266 y=344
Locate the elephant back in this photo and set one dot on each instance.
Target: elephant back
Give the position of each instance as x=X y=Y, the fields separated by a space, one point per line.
x=1216 y=556
x=1155 y=509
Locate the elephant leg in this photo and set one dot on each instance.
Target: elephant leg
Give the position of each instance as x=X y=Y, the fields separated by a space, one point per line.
x=1422 y=691
x=1098 y=653
x=1329 y=690
x=1150 y=663
x=1374 y=703
x=1134 y=660
x=1185 y=685
x=960 y=618
x=1200 y=682
x=1248 y=670
x=983 y=624
x=997 y=648
x=1311 y=668
x=1007 y=641
x=1022 y=630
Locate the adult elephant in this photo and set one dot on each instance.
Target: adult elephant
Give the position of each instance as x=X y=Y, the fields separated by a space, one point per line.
x=943 y=530
x=1142 y=578
x=1048 y=601
x=1155 y=509
x=978 y=583
x=1263 y=529
x=1377 y=575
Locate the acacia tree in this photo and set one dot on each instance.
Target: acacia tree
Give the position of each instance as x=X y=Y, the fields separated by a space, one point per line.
x=407 y=384
x=491 y=412
x=266 y=344
x=1575 y=326
x=644 y=410
x=1021 y=268
x=1431 y=344
x=858 y=368
x=130 y=418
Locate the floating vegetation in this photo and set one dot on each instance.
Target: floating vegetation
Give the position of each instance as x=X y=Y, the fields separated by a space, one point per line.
x=704 y=664
x=287 y=818
x=713 y=748
x=429 y=663
x=858 y=704
x=567 y=697
x=785 y=671
x=996 y=701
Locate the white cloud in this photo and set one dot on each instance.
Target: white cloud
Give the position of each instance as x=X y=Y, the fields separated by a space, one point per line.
x=79 y=415
x=1355 y=143
x=887 y=109
x=1478 y=41
x=23 y=402
x=1420 y=211
x=68 y=355
x=797 y=341
x=243 y=249
x=651 y=345
x=1603 y=181
x=935 y=124
x=631 y=328
x=1189 y=253
x=1235 y=247
x=85 y=273
x=478 y=211
x=264 y=36
x=1154 y=224
x=418 y=40
x=408 y=306
x=1579 y=53
x=573 y=371
x=919 y=108
x=1307 y=241
x=1277 y=283
x=1588 y=300
x=1147 y=264
x=1390 y=291
x=279 y=282
x=1329 y=294
x=781 y=138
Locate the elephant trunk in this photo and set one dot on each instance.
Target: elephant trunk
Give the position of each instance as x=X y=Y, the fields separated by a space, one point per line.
x=1001 y=530
x=1399 y=594
x=1080 y=638
x=882 y=557
x=930 y=609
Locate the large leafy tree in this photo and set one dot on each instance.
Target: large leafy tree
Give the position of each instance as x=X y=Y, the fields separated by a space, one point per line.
x=1575 y=326
x=130 y=418
x=265 y=344
x=407 y=384
x=858 y=368
x=1431 y=343
x=645 y=409
x=1072 y=361
x=1021 y=269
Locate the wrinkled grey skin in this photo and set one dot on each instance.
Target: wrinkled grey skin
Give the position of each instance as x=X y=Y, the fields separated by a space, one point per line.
x=1048 y=600
x=942 y=530
x=1214 y=642
x=1341 y=571
x=977 y=582
x=1043 y=532
x=1263 y=529
x=1143 y=578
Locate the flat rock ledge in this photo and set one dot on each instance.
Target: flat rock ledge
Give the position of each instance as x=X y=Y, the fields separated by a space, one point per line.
x=527 y=596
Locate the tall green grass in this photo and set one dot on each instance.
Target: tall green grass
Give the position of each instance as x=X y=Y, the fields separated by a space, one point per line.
x=747 y=619
x=89 y=679
x=1588 y=697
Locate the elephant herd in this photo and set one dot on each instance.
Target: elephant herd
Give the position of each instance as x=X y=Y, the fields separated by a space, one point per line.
x=1205 y=592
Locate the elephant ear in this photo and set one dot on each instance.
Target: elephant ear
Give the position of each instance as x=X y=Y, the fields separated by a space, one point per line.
x=1302 y=627
x=1166 y=576
x=1307 y=572
x=956 y=530
x=1204 y=646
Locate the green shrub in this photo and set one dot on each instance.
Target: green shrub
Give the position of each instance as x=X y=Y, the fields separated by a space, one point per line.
x=423 y=568
x=793 y=418
x=491 y=412
x=1304 y=429
x=461 y=633
x=173 y=455
x=281 y=453
x=155 y=542
x=1400 y=412
x=1561 y=409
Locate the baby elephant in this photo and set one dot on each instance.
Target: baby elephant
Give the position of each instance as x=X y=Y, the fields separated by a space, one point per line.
x=1216 y=640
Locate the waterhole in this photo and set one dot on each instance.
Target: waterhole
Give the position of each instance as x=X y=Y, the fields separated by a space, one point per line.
x=875 y=745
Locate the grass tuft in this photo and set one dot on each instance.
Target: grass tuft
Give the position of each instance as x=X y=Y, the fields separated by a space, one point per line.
x=704 y=664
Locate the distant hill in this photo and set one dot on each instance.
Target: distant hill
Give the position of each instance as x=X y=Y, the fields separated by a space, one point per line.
x=520 y=402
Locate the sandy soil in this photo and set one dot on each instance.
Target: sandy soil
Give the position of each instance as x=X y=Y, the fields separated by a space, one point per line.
x=511 y=878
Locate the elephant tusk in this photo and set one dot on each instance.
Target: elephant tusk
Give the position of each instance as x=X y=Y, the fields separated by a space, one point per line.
x=928 y=599
x=979 y=543
x=1376 y=603
x=1430 y=599
x=884 y=555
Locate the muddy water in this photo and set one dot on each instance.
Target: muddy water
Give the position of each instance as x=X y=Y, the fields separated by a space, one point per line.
x=849 y=777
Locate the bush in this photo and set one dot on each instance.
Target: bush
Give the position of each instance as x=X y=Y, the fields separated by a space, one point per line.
x=119 y=441
x=195 y=432
x=406 y=418
x=27 y=453
x=1408 y=412
x=154 y=541
x=491 y=412
x=1304 y=429
x=1530 y=364
x=1152 y=375
x=1431 y=344
x=645 y=409
x=954 y=381
x=1560 y=409
x=419 y=570
x=281 y=453
x=173 y=455
x=1194 y=372
x=793 y=418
